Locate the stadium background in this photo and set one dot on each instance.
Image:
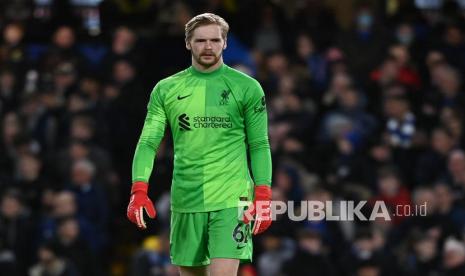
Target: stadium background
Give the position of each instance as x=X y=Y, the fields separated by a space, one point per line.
x=365 y=102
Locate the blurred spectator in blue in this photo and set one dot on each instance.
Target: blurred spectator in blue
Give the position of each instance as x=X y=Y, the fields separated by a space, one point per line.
x=80 y=149
x=63 y=205
x=432 y=164
x=74 y=249
x=237 y=53
x=287 y=180
x=63 y=48
x=453 y=45
x=423 y=256
x=330 y=231
x=350 y=106
x=91 y=199
x=315 y=63
x=448 y=205
x=435 y=224
x=400 y=120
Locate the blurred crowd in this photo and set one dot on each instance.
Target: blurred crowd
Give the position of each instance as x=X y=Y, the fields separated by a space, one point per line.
x=365 y=102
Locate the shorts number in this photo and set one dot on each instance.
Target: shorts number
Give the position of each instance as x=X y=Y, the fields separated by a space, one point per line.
x=238 y=233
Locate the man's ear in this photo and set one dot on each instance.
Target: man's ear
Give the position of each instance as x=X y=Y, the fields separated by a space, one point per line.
x=225 y=44
x=188 y=45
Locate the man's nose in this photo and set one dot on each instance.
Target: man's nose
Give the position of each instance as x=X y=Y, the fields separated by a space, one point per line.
x=208 y=45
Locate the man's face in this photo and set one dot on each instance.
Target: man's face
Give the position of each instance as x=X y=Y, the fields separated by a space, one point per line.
x=206 y=45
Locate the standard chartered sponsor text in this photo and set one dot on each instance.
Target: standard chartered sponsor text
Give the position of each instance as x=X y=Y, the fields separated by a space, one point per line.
x=212 y=122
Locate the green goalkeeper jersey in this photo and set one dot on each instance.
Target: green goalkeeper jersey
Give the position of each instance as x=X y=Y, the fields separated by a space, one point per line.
x=214 y=119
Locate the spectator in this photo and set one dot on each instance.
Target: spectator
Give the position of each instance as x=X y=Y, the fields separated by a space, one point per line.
x=63 y=49
x=91 y=200
x=424 y=258
x=16 y=233
x=392 y=192
x=400 y=127
x=454 y=257
x=51 y=263
x=310 y=253
x=74 y=249
x=433 y=163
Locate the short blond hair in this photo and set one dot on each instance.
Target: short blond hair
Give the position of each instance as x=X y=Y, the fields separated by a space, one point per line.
x=206 y=19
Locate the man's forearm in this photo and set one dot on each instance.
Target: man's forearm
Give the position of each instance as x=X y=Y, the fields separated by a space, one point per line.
x=260 y=159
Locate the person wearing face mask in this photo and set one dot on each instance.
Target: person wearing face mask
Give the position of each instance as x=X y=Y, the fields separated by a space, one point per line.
x=364 y=44
x=405 y=34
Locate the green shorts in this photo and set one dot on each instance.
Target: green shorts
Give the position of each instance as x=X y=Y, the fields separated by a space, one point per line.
x=195 y=238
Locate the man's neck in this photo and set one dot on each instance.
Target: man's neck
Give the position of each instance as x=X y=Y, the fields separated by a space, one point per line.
x=204 y=69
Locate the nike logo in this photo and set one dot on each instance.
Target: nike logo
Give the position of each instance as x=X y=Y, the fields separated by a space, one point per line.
x=183 y=97
x=240 y=246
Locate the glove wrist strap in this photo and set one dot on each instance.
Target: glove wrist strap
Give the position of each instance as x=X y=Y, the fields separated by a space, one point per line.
x=263 y=192
x=139 y=186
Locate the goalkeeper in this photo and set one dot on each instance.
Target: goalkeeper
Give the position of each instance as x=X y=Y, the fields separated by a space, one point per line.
x=215 y=114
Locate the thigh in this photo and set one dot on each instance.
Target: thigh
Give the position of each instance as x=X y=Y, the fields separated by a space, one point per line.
x=223 y=267
x=189 y=239
x=228 y=236
x=193 y=270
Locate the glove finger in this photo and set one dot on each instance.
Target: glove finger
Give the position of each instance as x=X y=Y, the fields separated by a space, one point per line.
x=150 y=209
x=130 y=210
x=263 y=226
x=256 y=226
x=131 y=216
x=140 y=218
x=249 y=214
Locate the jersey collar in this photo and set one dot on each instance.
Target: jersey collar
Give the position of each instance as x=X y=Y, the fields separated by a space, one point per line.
x=211 y=74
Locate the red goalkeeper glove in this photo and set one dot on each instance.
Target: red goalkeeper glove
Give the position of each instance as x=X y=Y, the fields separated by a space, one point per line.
x=260 y=210
x=139 y=202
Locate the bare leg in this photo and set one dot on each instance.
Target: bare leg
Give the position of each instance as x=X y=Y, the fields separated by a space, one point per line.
x=193 y=271
x=224 y=267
